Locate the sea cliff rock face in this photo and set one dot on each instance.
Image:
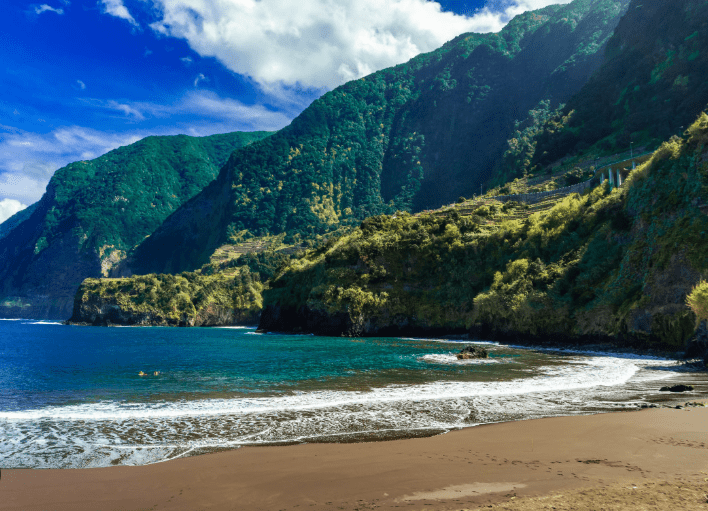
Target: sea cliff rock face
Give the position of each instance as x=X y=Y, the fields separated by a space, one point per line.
x=98 y=311
x=169 y=300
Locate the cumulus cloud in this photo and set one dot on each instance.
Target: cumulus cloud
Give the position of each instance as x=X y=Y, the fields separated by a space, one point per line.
x=39 y=9
x=9 y=207
x=117 y=9
x=321 y=43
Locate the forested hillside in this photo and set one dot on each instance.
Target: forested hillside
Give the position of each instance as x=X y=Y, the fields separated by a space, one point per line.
x=407 y=138
x=651 y=85
x=94 y=212
x=607 y=265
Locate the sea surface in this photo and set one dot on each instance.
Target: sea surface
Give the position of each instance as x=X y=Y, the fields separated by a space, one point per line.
x=73 y=397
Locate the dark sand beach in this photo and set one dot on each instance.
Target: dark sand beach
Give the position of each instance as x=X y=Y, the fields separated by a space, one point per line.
x=649 y=459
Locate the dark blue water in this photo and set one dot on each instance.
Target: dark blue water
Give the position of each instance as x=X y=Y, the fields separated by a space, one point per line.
x=74 y=396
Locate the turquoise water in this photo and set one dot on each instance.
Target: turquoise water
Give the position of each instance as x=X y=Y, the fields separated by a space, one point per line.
x=73 y=396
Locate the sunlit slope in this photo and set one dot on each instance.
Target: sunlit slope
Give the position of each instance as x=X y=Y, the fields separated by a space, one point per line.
x=606 y=265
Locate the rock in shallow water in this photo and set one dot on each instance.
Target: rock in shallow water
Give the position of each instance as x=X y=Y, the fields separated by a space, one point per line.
x=472 y=352
x=677 y=388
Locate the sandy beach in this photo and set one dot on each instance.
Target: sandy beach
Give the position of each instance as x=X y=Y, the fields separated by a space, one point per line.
x=648 y=459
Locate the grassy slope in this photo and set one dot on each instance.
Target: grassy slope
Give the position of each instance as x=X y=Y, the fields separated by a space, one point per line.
x=608 y=264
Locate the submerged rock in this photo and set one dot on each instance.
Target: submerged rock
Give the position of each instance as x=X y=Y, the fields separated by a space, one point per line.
x=677 y=388
x=472 y=352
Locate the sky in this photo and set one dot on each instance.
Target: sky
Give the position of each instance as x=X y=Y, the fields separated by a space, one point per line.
x=80 y=78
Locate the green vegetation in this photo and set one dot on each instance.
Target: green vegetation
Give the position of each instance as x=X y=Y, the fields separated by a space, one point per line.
x=221 y=293
x=698 y=301
x=650 y=87
x=605 y=264
x=187 y=299
x=95 y=212
x=113 y=202
x=406 y=138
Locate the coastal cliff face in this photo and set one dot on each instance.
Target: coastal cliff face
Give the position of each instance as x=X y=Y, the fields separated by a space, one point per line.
x=188 y=299
x=608 y=265
x=94 y=212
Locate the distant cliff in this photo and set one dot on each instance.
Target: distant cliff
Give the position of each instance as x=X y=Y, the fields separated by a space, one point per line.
x=94 y=212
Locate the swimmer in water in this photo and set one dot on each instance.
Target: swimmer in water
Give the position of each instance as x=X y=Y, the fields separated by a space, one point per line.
x=156 y=373
x=142 y=374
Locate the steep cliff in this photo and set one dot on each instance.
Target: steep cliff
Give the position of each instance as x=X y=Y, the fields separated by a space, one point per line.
x=94 y=212
x=188 y=299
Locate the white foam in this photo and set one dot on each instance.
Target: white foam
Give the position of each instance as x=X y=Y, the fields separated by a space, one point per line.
x=107 y=432
x=452 y=359
x=43 y=323
x=452 y=341
x=584 y=374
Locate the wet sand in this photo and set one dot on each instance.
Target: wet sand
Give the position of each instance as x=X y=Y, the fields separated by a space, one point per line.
x=649 y=459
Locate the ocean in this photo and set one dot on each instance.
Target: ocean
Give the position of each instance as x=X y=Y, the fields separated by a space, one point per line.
x=73 y=397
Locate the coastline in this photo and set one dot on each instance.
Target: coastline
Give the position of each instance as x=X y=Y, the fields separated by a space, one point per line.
x=626 y=458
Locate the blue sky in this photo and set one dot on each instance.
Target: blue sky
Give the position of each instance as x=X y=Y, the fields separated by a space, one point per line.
x=79 y=78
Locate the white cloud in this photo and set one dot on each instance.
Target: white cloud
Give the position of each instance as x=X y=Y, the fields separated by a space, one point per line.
x=186 y=60
x=200 y=78
x=9 y=207
x=28 y=160
x=117 y=9
x=248 y=117
x=204 y=105
x=320 y=43
x=81 y=84
x=46 y=8
x=127 y=110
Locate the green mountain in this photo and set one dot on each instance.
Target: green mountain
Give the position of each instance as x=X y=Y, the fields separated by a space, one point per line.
x=605 y=265
x=406 y=138
x=651 y=85
x=94 y=212
x=16 y=219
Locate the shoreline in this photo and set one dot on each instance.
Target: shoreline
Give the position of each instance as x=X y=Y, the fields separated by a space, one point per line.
x=520 y=463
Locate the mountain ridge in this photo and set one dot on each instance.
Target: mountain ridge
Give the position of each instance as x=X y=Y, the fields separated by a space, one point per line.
x=417 y=134
x=94 y=212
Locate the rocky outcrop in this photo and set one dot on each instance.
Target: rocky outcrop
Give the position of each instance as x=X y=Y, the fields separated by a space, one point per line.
x=105 y=311
x=698 y=345
x=277 y=318
x=677 y=388
x=472 y=352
